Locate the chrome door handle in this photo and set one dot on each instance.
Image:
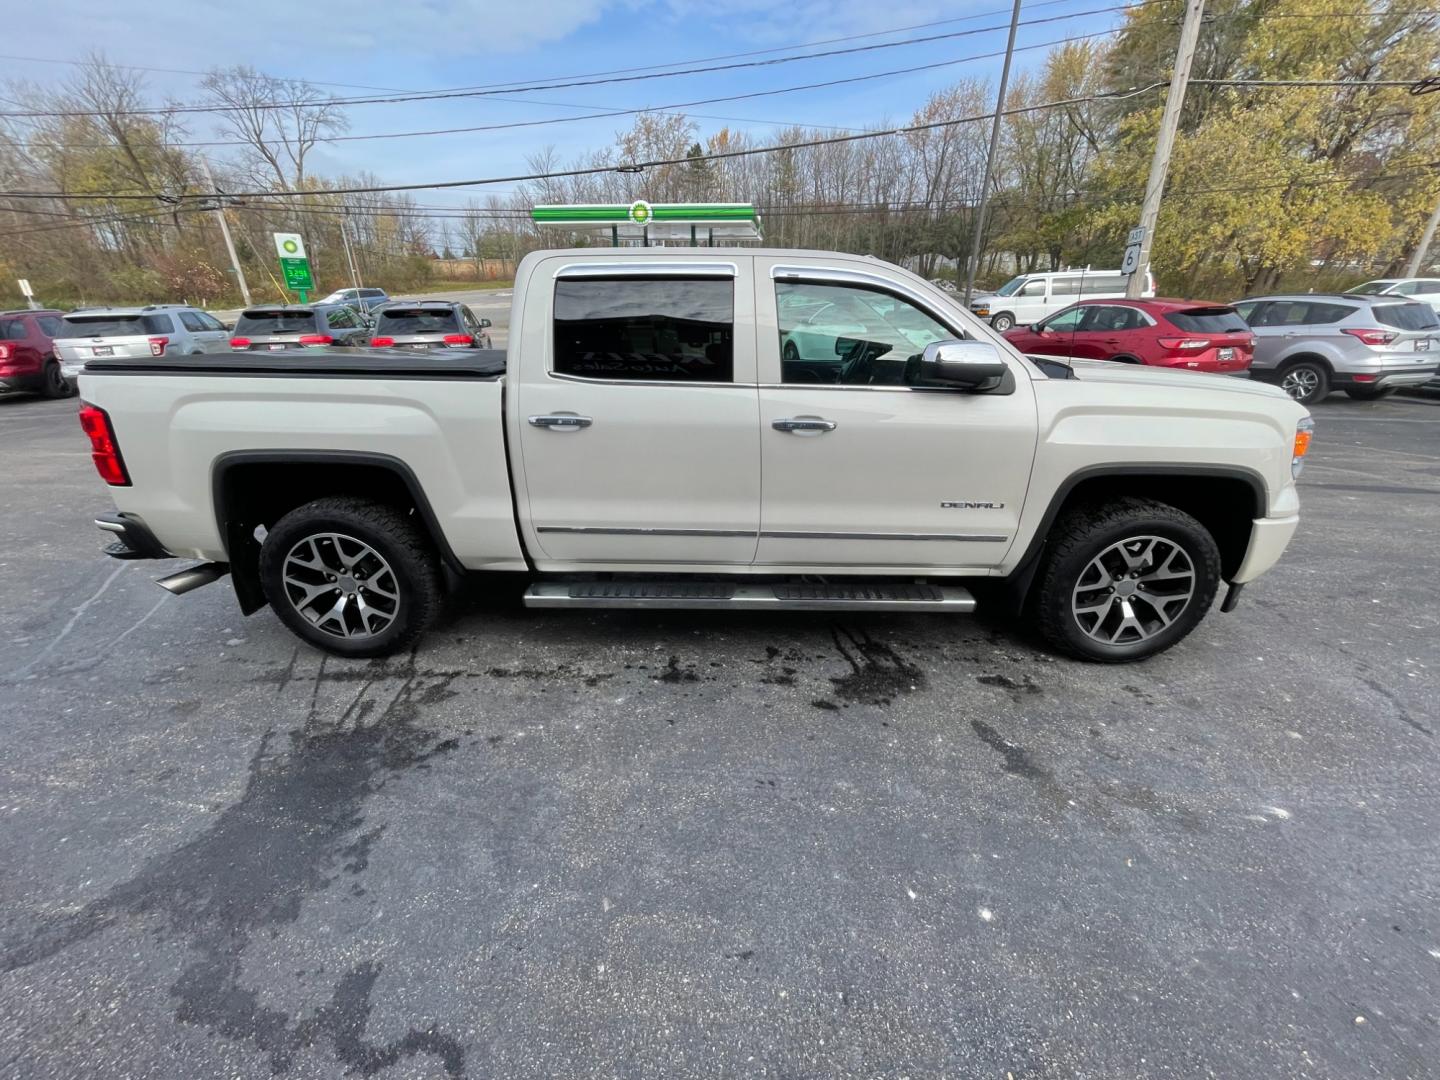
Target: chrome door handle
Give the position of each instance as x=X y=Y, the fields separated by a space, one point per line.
x=794 y=424
x=561 y=422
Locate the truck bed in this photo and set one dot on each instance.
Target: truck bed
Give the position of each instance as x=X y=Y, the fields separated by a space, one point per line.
x=340 y=363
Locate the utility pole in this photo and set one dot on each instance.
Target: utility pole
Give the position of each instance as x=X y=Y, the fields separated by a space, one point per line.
x=979 y=223
x=1413 y=270
x=1169 y=122
x=349 y=256
x=225 y=232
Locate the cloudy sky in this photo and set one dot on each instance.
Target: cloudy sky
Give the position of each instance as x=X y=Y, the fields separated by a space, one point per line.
x=351 y=47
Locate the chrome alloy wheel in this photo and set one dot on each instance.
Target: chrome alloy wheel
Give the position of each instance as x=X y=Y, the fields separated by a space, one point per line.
x=1133 y=590
x=341 y=585
x=1301 y=383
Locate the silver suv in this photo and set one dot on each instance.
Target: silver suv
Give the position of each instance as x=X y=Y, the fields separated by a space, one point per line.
x=1368 y=346
x=154 y=330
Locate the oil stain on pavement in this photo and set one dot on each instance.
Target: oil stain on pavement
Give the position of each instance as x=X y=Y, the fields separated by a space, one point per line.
x=292 y=833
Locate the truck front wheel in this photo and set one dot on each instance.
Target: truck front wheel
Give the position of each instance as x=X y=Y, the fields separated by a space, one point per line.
x=1125 y=580
x=351 y=576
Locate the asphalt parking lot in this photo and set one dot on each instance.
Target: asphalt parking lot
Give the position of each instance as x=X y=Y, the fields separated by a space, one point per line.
x=622 y=845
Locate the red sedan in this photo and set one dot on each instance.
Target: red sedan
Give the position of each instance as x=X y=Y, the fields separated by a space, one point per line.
x=1187 y=334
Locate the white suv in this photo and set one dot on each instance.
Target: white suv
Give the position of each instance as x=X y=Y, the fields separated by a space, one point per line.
x=154 y=330
x=1028 y=298
x=1424 y=290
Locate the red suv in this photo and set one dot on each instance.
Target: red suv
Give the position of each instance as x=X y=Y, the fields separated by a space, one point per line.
x=1187 y=334
x=27 y=353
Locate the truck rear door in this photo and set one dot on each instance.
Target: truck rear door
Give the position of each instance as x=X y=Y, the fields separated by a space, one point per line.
x=636 y=407
x=862 y=469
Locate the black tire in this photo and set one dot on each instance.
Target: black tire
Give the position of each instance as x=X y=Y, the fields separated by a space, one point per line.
x=1360 y=393
x=1002 y=322
x=53 y=383
x=1306 y=381
x=394 y=535
x=1081 y=536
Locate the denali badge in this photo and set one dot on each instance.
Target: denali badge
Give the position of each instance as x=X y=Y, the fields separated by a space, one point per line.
x=966 y=504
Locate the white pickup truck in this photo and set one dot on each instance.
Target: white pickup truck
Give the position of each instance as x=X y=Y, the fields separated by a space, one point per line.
x=704 y=429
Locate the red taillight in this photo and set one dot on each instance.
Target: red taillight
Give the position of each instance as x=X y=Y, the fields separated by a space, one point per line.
x=1372 y=337
x=4 y=350
x=104 y=450
x=464 y=340
x=157 y=345
x=1363 y=378
x=1183 y=343
x=239 y=342
x=381 y=342
x=316 y=339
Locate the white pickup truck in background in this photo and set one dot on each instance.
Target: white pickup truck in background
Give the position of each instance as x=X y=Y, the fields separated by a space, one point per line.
x=705 y=429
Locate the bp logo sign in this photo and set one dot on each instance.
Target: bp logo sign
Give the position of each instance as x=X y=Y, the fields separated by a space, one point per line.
x=640 y=212
x=290 y=247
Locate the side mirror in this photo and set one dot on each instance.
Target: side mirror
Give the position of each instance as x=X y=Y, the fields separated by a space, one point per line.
x=962 y=365
x=1036 y=328
x=484 y=324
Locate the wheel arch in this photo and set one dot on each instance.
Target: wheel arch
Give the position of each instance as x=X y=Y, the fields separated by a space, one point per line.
x=1303 y=356
x=1225 y=499
x=254 y=488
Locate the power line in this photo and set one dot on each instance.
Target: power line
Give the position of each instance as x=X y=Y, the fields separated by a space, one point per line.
x=597 y=169
x=675 y=106
x=436 y=95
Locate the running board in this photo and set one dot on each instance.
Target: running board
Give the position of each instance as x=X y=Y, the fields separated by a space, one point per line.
x=702 y=596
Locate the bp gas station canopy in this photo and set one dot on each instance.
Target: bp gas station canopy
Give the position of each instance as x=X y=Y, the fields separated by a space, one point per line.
x=696 y=224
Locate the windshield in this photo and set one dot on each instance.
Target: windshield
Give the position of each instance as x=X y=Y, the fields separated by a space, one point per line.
x=275 y=322
x=416 y=321
x=1011 y=287
x=1373 y=288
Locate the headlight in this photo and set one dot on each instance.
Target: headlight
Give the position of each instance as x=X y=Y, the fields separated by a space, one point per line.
x=1303 y=432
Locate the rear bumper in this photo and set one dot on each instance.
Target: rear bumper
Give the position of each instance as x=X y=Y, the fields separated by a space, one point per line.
x=21 y=384
x=1268 y=539
x=133 y=538
x=1409 y=375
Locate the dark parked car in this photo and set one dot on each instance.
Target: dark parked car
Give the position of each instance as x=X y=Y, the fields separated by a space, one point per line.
x=1189 y=334
x=430 y=324
x=359 y=299
x=285 y=326
x=27 y=353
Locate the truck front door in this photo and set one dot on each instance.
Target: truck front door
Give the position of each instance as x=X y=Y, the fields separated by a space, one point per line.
x=863 y=470
x=637 y=412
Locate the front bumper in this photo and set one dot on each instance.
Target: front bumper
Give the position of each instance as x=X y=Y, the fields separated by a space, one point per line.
x=1268 y=539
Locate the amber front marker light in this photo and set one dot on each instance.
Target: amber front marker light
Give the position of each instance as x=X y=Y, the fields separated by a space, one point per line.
x=1303 y=432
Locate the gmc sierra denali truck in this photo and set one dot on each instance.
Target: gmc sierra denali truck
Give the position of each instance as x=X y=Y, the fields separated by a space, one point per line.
x=704 y=429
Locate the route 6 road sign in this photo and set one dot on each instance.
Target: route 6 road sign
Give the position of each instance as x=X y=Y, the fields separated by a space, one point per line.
x=1131 y=262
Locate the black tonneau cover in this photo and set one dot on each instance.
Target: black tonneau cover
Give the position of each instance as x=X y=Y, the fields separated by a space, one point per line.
x=317 y=363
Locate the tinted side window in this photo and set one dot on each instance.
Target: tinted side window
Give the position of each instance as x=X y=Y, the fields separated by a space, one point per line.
x=192 y=322
x=159 y=324
x=670 y=329
x=1407 y=316
x=341 y=318
x=12 y=330
x=1065 y=286
x=1317 y=314
x=208 y=321
x=49 y=325
x=1032 y=288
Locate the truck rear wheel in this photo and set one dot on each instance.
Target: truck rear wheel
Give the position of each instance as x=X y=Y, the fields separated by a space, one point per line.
x=351 y=576
x=1125 y=580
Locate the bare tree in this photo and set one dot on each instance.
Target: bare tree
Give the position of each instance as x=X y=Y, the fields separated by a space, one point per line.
x=279 y=120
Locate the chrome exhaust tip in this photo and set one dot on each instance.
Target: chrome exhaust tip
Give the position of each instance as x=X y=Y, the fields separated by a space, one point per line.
x=193 y=577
